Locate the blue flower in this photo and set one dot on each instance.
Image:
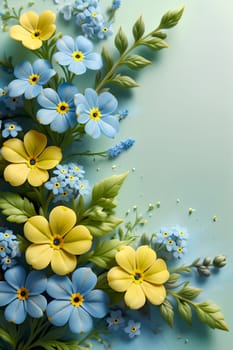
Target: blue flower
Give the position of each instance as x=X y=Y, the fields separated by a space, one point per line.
x=11 y=129
x=116 y=4
x=30 y=78
x=13 y=103
x=97 y=112
x=7 y=262
x=114 y=151
x=77 y=54
x=75 y=300
x=123 y=113
x=59 y=109
x=55 y=185
x=4 y=250
x=180 y=232
x=66 y=11
x=21 y=294
x=83 y=187
x=115 y=320
x=104 y=30
x=133 y=328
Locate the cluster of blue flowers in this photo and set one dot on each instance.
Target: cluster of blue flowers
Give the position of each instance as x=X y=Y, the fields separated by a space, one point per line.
x=174 y=240
x=89 y=18
x=9 y=248
x=68 y=182
x=74 y=301
x=117 y=322
x=120 y=147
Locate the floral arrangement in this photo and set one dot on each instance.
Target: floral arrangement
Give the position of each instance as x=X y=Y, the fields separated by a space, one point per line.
x=71 y=271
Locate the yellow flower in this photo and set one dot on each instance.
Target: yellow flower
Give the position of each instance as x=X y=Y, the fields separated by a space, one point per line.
x=30 y=159
x=140 y=275
x=56 y=241
x=34 y=29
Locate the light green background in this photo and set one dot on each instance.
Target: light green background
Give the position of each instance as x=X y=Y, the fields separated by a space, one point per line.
x=181 y=118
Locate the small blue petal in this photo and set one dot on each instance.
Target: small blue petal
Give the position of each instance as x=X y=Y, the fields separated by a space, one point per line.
x=83 y=280
x=36 y=282
x=15 y=312
x=59 y=287
x=96 y=303
x=36 y=305
x=59 y=312
x=80 y=321
x=15 y=277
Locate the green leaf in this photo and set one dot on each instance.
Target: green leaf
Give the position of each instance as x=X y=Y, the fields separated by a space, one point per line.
x=136 y=61
x=7 y=338
x=105 y=251
x=210 y=314
x=107 y=188
x=138 y=28
x=171 y=18
x=189 y=292
x=107 y=59
x=158 y=34
x=124 y=81
x=155 y=43
x=167 y=312
x=99 y=229
x=121 y=41
x=185 y=310
x=16 y=208
x=173 y=278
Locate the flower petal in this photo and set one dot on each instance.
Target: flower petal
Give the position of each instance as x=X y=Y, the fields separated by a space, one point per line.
x=157 y=273
x=29 y=20
x=36 y=177
x=60 y=287
x=107 y=129
x=7 y=293
x=134 y=296
x=62 y=219
x=45 y=24
x=126 y=259
x=34 y=142
x=93 y=61
x=48 y=99
x=84 y=280
x=119 y=279
x=96 y=303
x=36 y=282
x=49 y=158
x=16 y=174
x=38 y=255
x=37 y=230
x=92 y=128
x=66 y=45
x=59 y=311
x=83 y=44
x=15 y=276
x=92 y=98
x=19 y=33
x=107 y=103
x=78 y=240
x=80 y=321
x=13 y=151
x=145 y=257
x=155 y=294
x=15 y=312
x=63 y=263
x=23 y=70
x=46 y=116
x=66 y=91
x=35 y=305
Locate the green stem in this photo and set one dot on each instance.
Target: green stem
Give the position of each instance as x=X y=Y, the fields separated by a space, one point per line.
x=121 y=60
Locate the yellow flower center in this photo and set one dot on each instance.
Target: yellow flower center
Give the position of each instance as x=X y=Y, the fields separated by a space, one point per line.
x=3 y=93
x=94 y=14
x=138 y=277
x=105 y=29
x=181 y=233
x=62 y=107
x=116 y=320
x=76 y=299
x=32 y=162
x=33 y=79
x=82 y=186
x=11 y=127
x=56 y=242
x=179 y=249
x=165 y=234
x=95 y=114
x=36 y=34
x=6 y=235
x=71 y=178
x=22 y=293
x=2 y=249
x=8 y=261
x=14 y=99
x=78 y=56
x=133 y=329
x=57 y=184
x=170 y=242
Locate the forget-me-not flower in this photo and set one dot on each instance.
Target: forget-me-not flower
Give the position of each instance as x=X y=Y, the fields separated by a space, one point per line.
x=22 y=294
x=133 y=328
x=30 y=78
x=58 y=107
x=75 y=301
x=115 y=320
x=11 y=129
x=97 y=112
x=77 y=54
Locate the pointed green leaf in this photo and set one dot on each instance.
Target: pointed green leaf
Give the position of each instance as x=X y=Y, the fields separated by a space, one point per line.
x=189 y=292
x=105 y=251
x=171 y=18
x=138 y=28
x=124 y=81
x=210 y=314
x=158 y=34
x=7 y=338
x=99 y=229
x=185 y=310
x=136 y=61
x=155 y=43
x=167 y=312
x=16 y=208
x=107 y=59
x=121 y=41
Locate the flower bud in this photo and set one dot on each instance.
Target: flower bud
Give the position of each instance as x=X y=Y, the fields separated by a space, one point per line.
x=219 y=261
x=207 y=261
x=204 y=271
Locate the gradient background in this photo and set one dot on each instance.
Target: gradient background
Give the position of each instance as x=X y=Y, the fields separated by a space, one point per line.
x=181 y=118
